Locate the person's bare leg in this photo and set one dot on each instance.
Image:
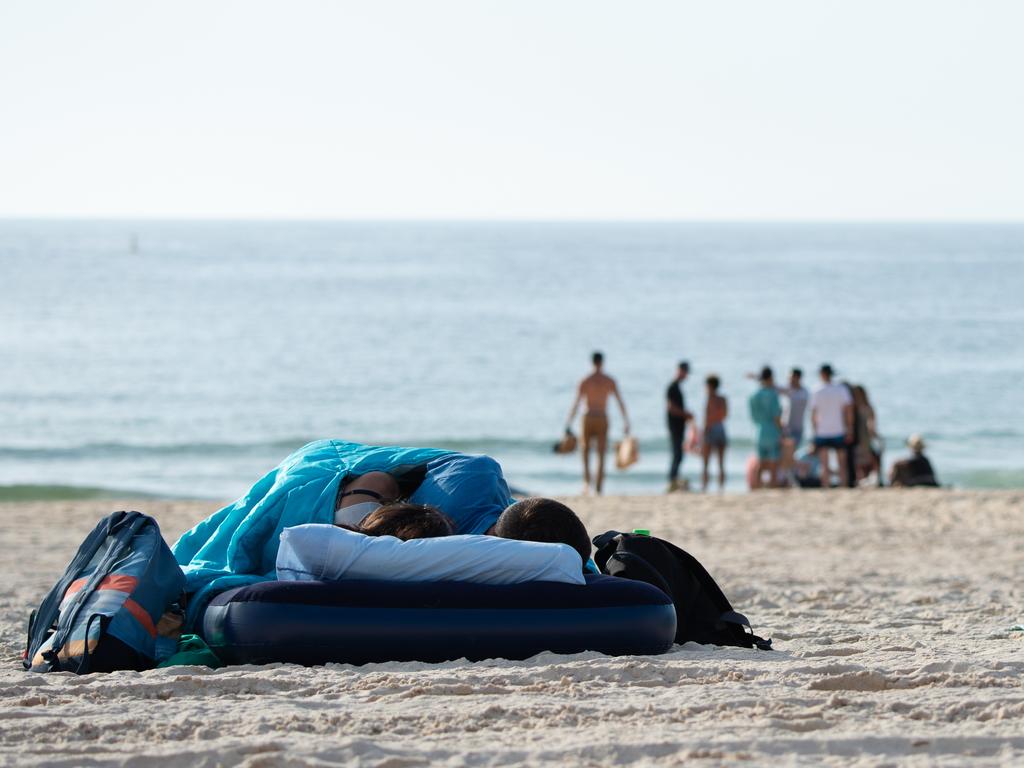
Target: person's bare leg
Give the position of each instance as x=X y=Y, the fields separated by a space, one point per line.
x=773 y=473
x=843 y=469
x=586 y=466
x=705 y=452
x=602 y=445
x=721 y=467
x=826 y=472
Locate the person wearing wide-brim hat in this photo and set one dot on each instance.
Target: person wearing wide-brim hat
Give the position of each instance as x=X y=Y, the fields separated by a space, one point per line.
x=916 y=470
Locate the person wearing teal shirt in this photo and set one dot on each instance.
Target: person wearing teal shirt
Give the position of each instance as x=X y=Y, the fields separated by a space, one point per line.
x=766 y=411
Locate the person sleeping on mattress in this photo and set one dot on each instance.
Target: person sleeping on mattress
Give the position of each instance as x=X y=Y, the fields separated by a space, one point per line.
x=404 y=521
x=533 y=519
x=364 y=494
x=238 y=544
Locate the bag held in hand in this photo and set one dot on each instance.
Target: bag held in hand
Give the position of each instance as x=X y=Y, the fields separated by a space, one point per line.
x=103 y=613
x=567 y=444
x=704 y=613
x=627 y=452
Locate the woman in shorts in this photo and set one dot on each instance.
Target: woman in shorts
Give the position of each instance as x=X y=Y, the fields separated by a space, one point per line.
x=715 y=440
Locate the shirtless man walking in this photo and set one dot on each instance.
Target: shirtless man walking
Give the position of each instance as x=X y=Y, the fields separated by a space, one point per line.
x=596 y=389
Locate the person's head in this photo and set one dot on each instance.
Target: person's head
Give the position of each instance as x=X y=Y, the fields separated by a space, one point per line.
x=825 y=372
x=712 y=382
x=597 y=359
x=539 y=519
x=682 y=370
x=362 y=495
x=405 y=521
x=915 y=443
x=373 y=486
x=767 y=377
x=795 y=377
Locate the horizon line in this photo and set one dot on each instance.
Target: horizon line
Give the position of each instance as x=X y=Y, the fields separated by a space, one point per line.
x=42 y=218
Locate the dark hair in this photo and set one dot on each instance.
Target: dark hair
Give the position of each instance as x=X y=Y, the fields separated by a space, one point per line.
x=597 y=358
x=797 y=372
x=825 y=370
x=405 y=521
x=684 y=366
x=547 y=520
x=766 y=373
x=713 y=381
x=860 y=395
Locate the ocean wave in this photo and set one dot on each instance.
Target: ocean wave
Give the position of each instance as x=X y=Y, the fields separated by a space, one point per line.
x=494 y=446
x=121 y=450
x=994 y=479
x=29 y=492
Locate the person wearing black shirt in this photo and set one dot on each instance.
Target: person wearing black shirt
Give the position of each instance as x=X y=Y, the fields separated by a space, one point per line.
x=677 y=415
x=914 y=471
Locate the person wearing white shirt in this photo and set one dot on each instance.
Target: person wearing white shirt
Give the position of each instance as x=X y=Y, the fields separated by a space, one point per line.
x=832 y=419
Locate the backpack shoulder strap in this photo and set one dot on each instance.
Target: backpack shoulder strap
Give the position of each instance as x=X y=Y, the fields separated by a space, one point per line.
x=605 y=545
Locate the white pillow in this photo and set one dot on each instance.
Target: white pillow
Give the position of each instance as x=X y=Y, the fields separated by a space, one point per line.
x=317 y=552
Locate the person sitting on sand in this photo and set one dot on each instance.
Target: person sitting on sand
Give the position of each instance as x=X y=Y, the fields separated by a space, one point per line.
x=913 y=471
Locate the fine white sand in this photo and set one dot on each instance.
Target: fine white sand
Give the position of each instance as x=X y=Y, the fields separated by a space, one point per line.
x=891 y=613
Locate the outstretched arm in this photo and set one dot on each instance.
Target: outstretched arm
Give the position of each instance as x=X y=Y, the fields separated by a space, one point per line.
x=622 y=407
x=575 y=406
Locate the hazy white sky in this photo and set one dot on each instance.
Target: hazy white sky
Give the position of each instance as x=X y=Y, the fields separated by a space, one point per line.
x=789 y=109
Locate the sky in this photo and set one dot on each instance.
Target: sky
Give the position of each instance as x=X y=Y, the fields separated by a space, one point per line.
x=557 y=109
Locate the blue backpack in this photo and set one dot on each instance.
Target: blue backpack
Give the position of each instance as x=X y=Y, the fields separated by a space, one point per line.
x=103 y=613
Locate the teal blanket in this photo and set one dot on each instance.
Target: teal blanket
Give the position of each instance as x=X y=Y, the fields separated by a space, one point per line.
x=237 y=545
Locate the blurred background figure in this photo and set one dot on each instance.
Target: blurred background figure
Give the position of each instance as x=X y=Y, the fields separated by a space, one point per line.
x=868 y=447
x=797 y=398
x=766 y=413
x=715 y=440
x=596 y=389
x=915 y=470
x=832 y=419
x=677 y=416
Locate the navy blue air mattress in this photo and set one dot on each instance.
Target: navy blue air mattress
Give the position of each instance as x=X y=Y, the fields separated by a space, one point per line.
x=356 y=622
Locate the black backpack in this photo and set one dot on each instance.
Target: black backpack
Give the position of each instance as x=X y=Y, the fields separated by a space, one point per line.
x=703 y=612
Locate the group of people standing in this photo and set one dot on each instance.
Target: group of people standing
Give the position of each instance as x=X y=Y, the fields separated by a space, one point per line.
x=841 y=417
x=843 y=421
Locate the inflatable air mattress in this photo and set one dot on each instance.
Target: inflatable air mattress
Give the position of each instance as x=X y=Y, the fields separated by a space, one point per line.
x=356 y=622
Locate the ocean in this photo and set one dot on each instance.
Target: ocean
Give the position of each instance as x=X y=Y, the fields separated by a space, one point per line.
x=184 y=359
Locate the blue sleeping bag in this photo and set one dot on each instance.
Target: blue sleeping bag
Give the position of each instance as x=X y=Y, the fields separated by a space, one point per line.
x=237 y=545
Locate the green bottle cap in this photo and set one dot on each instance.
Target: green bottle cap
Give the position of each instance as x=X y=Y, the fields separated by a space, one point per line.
x=642 y=531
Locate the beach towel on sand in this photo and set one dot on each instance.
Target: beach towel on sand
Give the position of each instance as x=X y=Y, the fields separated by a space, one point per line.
x=238 y=544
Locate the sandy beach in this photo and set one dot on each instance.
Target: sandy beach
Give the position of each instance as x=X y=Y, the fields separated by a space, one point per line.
x=891 y=613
